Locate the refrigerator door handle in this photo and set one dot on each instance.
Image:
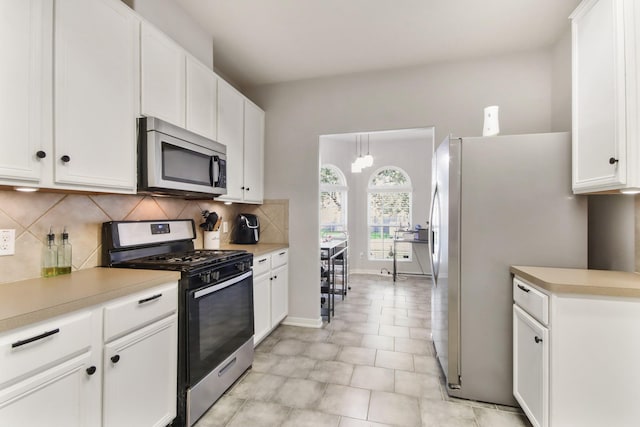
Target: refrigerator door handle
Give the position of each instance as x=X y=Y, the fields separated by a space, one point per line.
x=431 y=238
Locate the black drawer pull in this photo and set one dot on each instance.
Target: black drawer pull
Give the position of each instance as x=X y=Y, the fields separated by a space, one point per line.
x=538 y=340
x=154 y=297
x=262 y=260
x=282 y=253
x=36 y=338
x=524 y=289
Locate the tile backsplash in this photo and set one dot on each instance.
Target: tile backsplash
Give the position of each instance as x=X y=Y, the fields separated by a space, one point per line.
x=31 y=215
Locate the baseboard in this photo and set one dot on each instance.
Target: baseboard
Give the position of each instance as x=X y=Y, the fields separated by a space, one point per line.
x=304 y=322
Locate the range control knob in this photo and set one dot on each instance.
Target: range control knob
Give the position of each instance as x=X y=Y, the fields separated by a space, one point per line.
x=240 y=266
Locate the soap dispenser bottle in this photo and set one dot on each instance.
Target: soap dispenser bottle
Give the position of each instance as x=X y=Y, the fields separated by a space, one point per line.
x=64 y=254
x=49 y=256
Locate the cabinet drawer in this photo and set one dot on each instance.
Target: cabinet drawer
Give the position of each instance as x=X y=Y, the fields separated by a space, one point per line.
x=34 y=347
x=261 y=265
x=279 y=258
x=135 y=311
x=531 y=300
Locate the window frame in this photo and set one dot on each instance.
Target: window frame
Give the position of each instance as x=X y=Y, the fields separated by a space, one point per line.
x=341 y=187
x=388 y=188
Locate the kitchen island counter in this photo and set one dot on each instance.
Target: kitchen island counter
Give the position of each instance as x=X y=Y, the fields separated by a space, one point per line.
x=34 y=300
x=581 y=281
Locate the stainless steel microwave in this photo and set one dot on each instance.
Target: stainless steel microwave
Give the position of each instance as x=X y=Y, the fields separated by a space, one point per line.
x=175 y=161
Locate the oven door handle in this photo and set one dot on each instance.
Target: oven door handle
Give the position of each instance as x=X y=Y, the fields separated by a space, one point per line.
x=210 y=289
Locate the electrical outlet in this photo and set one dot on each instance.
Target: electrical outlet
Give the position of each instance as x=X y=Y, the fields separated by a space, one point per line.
x=225 y=226
x=7 y=242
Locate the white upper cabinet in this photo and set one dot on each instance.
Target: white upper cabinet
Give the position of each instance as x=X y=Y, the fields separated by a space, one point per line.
x=231 y=134
x=163 y=76
x=606 y=150
x=25 y=85
x=253 y=153
x=96 y=88
x=201 y=108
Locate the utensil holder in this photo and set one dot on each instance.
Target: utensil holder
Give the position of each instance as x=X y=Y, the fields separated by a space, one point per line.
x=212 y=240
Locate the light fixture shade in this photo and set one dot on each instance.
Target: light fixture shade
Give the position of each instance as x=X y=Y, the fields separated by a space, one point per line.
x=355 y=167
x=360 y=161
x=367 y=161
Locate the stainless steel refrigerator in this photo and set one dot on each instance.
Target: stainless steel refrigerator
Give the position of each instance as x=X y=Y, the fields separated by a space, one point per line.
x=496 y=202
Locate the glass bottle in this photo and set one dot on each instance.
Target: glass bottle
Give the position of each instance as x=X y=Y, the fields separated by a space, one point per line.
x=64 y=254
x=49 y=256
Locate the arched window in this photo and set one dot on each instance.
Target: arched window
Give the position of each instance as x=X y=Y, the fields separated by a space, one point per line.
x=389 y=204
x=333 y=200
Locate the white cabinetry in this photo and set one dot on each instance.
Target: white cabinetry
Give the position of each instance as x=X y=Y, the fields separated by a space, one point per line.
x=59 y=371
x=49 y=373
x=579 y=368
x=163 y=76
x=231 y=134
x=253 y=153
x=241 y=129
x=96 y=85
x=88 y=140
x=270 y=292
x=25 y=85
x=606 y=151
x=143 y=361
x=201 y=108
x=175 y=86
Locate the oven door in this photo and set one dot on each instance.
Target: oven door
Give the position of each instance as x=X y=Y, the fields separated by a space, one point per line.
x=176 y=165
x=220 y=320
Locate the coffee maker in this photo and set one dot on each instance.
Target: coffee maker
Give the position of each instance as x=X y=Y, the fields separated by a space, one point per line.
x=246 y=230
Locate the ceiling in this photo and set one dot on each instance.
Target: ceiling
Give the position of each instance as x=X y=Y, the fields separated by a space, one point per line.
x=259 y=42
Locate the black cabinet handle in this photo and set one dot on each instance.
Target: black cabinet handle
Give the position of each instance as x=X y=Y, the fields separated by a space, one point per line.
x=262 y=260
x=65 y=159
x=538 y=340
x=613 y=160
x=275 y=277
x=36 y=338
x=115 y=359
x=523 y=288
x=247 y=188
x=41 y=154
x=242 y=188
x=282 y=253
x=154 y=297
x=91 y=370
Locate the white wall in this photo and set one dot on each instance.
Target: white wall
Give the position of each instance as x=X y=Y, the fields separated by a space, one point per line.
x=450 y=96
x=410 y=150
x=612 y=238
x=169 y=17
x=561 y=84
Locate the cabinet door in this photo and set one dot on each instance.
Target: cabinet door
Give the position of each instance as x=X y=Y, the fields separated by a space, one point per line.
x=531 y=367
x=279 y=294
x=25 y=85
x=96 y=94
x=201 y=99
x=253 y=153
x=261 y=307
x=66 y=395
x=163 y=76
x=231 y=134
x=599 y=97
x=140 y=374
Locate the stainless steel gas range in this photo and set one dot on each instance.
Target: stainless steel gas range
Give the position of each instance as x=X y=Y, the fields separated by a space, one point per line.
x=215 y=315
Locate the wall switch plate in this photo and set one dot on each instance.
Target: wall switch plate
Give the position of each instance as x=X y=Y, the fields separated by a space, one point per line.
x=7 y=242
x=225 y=226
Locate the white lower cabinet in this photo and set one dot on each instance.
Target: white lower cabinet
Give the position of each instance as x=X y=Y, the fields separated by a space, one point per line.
x=579 y=368
x=270 y=292
x=60 y=373
x=142 y=363
x=531 y=366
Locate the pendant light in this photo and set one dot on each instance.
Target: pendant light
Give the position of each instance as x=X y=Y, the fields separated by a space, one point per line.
x=356 y=165
x=367 y=160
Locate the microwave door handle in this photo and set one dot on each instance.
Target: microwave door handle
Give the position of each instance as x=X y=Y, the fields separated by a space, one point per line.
x=211 y=177
x=214 y=171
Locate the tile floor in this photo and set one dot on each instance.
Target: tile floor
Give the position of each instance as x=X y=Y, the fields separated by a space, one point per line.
x=373 y=366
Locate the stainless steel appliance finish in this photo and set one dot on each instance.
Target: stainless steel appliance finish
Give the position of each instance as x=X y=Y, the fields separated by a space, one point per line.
x=496 y=201
x=175 y=161
x=215 y=307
